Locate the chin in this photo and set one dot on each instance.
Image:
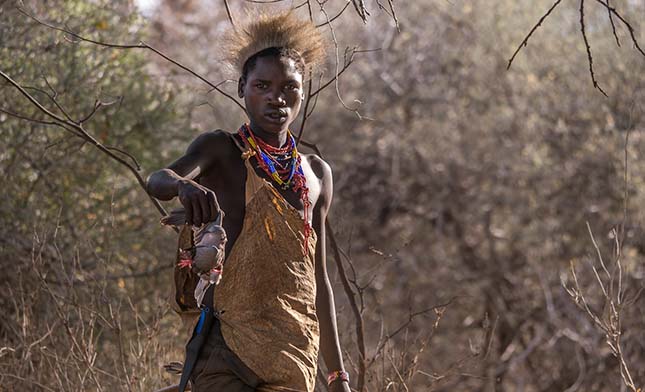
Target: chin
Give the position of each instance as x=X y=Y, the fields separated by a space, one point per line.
x=275 y=127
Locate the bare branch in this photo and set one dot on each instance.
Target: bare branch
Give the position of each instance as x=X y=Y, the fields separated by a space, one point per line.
x=348 y=60
x=335 y=17
x=23 y=117
x=140 y=45
x=612 y=12
x=396 y=20
x=336 y=76
x=598 y=253
x=613 y=25
x=337 y=62
x=128 y=155
x=97 y=105
x=228 y=13
x=305 y=116
x=79 y=128
x=361 y=10
x=632 y=33
x=391 y=12
x=360 y=331
x=589 y=57
x=411 y=316
x=526 y=39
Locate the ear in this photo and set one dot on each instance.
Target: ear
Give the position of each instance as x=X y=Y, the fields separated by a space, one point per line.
x=240 y=87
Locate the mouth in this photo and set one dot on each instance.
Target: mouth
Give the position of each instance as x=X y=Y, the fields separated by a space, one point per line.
x=278 y=116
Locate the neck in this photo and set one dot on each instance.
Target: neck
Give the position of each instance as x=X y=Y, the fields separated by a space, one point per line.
x=274 y=139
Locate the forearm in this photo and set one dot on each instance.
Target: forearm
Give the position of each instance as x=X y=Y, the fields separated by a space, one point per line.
x=163 y=184
x=329 y=343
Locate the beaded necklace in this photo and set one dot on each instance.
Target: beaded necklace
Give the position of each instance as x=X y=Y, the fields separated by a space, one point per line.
x=283 y=166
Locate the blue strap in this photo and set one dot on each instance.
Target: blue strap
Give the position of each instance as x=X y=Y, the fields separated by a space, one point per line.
x=202 y=318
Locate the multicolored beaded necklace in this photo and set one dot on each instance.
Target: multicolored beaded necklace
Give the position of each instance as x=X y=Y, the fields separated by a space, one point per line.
x=283 y=166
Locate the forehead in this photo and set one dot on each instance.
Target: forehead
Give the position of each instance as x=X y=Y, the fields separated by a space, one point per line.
x=275 y=68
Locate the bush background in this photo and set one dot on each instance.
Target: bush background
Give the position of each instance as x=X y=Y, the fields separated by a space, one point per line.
x=464 y=183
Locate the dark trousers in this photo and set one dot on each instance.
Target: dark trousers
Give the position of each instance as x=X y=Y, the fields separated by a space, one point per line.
x=218 y=369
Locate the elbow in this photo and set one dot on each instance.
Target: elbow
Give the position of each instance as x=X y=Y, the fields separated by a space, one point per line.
x=150 y=184
x=153 y=186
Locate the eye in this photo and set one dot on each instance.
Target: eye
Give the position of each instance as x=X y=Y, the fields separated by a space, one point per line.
x=292 y=87
x=261 y=85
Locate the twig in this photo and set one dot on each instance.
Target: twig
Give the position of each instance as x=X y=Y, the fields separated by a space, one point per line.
x=396 y=20
x=23 y=117
x=335 y=17
x=346 y=65
x=390 y=12
x=132 y=275
x=593 y=241
x=611 y=11
x=351 y=296
x=609 y=325
x=97 y=105
x=305 y=115
x=304 y=3
x=140 y=45
x=128 y=155
x=311 y=14
x=348 y=60
x=52 y=98
x=80 y=129
x=589 y=57
x=29 y=380
x=359 y=6
x=613 y=25
x=337 y=62
x=411 y=317
x=526 y=39
x=228 y=13
x=632 y=34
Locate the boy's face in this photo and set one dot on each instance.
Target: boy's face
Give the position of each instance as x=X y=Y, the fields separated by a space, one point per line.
x=272 y=93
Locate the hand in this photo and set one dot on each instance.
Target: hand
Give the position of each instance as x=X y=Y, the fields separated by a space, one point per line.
x=199 y=202
x=339 y=386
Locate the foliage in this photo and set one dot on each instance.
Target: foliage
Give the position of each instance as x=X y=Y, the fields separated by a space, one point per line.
x=75 y=227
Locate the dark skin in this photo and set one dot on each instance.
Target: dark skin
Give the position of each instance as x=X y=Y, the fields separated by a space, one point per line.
x=211 y=176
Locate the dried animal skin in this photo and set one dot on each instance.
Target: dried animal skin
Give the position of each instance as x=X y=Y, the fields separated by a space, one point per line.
x=205 y=253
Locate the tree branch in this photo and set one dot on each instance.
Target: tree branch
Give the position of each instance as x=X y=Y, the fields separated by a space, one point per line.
x=82 y=133
x=588 y=48
x=537 y=25
x=140 y=45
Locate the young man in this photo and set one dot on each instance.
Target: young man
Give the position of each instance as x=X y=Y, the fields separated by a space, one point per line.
x=274 y=309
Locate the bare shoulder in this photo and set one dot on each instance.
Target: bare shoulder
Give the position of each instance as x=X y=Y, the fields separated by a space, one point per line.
x=217 y=141
x=215 y=147
x=209 y=149
x=322 y=190
x=321 y=169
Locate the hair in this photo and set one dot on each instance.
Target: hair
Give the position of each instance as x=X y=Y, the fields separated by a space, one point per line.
x=283 y=35
x=280 y=53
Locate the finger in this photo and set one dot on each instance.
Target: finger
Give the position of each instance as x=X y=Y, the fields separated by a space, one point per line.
x=197 y=213
x=189 y=211
x=205 y=208
x=212 y=201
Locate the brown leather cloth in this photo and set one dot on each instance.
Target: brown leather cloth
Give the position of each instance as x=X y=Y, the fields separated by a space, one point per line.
x=268 y=290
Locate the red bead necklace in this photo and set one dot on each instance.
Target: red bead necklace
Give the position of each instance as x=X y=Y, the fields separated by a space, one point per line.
x=283 y=167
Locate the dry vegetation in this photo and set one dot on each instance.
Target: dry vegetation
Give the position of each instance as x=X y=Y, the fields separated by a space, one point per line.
x=488 y=223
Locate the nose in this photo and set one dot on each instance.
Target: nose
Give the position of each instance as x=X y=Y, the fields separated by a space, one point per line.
x=277 y=98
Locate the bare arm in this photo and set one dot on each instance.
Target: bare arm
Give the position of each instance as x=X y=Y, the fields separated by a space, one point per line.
x=179 y=179
x=325 y=308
